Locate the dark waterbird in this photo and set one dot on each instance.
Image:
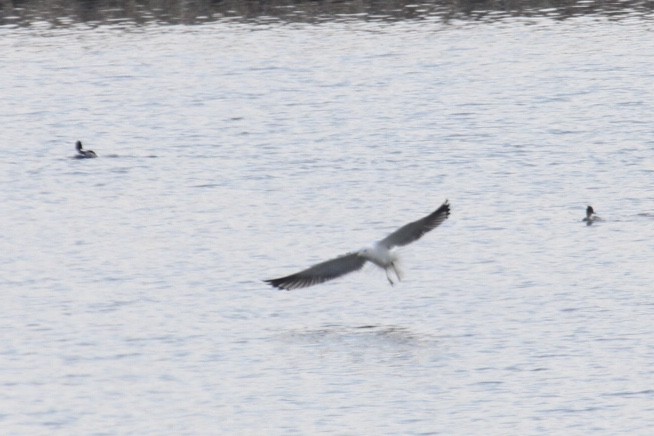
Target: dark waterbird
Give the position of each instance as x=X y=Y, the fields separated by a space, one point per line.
x=590 y=216
x=84 y=154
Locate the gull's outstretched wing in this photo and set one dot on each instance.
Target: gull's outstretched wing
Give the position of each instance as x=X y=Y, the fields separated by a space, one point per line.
x=320 y=273
x=413 y=231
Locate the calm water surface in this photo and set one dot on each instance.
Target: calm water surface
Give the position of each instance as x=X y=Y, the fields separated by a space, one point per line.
x=232 y=152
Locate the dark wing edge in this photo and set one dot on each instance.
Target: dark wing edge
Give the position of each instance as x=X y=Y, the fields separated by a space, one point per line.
x=320 y=272
x=415 y=230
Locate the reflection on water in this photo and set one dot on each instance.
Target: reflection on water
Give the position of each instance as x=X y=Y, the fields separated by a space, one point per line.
x=365 y=342
x=365 y=334
x=103 y=12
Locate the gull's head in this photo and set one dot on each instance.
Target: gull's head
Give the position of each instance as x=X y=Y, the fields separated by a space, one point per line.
x=370 y=253
x=378 y=254
x=365 y=252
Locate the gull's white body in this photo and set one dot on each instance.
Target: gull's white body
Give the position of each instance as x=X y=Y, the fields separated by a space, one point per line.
x=380 y=254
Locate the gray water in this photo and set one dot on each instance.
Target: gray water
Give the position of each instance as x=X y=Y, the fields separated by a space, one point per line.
x=234 y=151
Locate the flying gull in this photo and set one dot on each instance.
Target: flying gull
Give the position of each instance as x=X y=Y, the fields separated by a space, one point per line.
x=379 y=253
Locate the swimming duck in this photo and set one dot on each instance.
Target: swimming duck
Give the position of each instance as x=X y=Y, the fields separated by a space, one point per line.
x=590 y=216
x=84 y=154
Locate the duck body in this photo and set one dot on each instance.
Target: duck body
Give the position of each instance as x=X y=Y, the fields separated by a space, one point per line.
x=84 y=154
x=590 y=216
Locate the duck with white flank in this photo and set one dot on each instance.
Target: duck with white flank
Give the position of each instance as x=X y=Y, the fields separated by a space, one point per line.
x=84 y=154
x=590 y=216
x=379 y=253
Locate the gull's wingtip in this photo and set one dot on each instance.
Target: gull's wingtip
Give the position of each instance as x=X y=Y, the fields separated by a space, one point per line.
x=284 y=284
x=445 y=206
x=275 y=283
